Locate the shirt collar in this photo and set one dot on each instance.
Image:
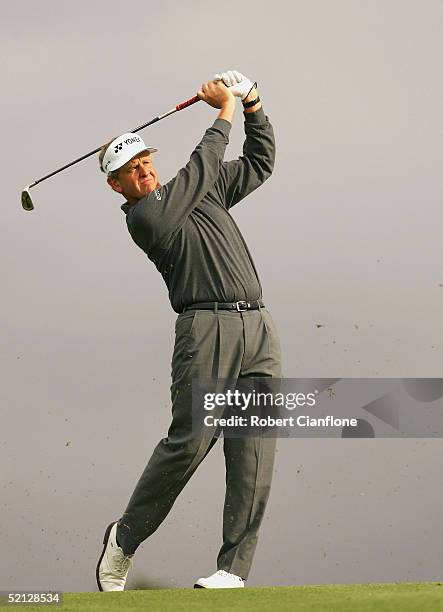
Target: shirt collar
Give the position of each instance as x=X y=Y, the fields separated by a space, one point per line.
x=125 y=207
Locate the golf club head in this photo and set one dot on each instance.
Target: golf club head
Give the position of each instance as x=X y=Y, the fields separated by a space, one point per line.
x=27 y=200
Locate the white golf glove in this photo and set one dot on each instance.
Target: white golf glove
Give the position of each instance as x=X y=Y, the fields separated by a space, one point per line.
x=238 y=84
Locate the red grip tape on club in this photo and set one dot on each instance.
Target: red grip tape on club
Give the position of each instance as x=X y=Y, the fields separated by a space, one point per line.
x=187 y=103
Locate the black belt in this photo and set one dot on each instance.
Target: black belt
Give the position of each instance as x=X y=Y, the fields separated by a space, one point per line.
x=240 y=306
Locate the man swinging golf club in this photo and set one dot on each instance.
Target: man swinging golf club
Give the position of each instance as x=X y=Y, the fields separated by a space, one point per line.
x=223 y=329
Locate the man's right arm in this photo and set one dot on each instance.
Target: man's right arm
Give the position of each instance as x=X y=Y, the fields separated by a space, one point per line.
x=163 y=212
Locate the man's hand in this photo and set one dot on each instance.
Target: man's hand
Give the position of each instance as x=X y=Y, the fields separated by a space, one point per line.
x=237 y=83
x=216 y=94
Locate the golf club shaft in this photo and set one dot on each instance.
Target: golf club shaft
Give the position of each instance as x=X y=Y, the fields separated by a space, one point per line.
x=140 y=127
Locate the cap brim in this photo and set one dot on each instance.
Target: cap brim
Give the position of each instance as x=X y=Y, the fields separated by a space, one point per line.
x=124 y=160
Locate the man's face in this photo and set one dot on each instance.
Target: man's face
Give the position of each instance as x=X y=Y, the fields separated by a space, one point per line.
x=136 y=178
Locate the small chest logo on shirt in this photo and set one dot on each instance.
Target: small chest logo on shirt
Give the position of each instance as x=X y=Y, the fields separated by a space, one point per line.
x=158 y=195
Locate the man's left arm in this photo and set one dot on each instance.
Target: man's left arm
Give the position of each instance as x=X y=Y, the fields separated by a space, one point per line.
x=238 y=178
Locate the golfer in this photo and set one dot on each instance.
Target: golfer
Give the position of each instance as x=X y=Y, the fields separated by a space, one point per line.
x=223 y=329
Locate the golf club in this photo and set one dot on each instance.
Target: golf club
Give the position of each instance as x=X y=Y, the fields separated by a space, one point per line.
x=26 y=199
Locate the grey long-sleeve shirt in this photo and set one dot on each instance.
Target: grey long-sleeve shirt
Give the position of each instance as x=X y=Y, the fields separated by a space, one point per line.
x=185 y=227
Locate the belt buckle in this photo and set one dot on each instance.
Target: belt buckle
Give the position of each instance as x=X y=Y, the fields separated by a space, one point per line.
x=242 y=305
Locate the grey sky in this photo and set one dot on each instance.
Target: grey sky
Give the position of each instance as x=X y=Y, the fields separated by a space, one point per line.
x=346 y=233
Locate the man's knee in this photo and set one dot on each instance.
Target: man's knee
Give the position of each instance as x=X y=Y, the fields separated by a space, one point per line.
x=187 y=449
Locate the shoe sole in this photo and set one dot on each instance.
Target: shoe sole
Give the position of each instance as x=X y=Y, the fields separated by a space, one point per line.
x=105 y=543
x=199 y=586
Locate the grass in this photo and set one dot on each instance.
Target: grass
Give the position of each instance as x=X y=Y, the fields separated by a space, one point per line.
x=385 y=597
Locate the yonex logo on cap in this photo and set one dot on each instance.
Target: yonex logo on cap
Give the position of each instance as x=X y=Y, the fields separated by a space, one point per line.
x=131 y=140
x=118 y=147
x=122 y=149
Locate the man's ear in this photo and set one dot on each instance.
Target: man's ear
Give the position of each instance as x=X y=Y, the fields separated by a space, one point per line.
x=114 y=184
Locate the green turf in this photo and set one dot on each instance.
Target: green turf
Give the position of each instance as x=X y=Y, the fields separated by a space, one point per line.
x=402 y=597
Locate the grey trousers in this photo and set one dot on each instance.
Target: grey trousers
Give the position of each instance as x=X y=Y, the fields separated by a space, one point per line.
x=221 y=344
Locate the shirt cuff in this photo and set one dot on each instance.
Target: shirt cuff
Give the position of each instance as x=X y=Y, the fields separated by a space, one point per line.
x=257 y=116
x=223 y=125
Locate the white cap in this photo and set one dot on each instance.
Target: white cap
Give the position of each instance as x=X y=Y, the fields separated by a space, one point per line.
x=122 y=149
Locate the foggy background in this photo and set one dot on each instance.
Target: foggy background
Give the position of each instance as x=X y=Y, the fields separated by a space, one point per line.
x=346 y=234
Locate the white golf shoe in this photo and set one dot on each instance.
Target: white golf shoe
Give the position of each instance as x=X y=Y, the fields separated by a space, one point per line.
x=113 y=565
x=220 y=580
